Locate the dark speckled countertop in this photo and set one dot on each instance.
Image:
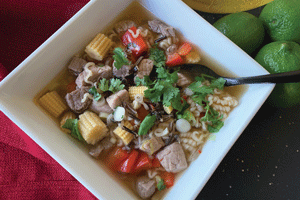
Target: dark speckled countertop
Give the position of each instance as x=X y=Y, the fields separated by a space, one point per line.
x=264 y=163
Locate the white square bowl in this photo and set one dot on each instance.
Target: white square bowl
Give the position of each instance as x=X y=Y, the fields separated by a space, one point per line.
x=18 y=89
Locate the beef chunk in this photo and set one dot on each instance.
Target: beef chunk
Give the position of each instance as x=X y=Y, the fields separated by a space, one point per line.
x=183 y=80
x=76 y=65
x=122 y=26
x=144 y=68
x=172 y=158
x=152 y=145
x=74 y=100
x=171 y=49
x=124 y=71
x=118 y=98
x=95 y=73
x=145 y=187
x=160 y=27
x=105 y=144
x=100 y=106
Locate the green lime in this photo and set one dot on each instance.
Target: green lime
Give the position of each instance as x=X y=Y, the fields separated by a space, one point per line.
x=282 y=20
x=243 y=28
x=277 y=57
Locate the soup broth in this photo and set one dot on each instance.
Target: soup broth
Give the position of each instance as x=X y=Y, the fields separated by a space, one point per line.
x=64 y=84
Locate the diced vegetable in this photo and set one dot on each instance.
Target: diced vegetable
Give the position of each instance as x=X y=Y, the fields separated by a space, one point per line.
x=127 y=165
x=119 y=114
x=184 y=49
x=116 y=157
x=134 y=42
x=161 y=185
x=147 y=124
x=155 y=163
x=143 y=163
x=183 y=126
x=174 y=59
x=168 y=178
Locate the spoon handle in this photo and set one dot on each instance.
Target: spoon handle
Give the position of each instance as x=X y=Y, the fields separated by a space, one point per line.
x=285 y=77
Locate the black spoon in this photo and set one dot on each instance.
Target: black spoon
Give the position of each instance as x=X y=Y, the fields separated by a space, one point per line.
x=194 y=70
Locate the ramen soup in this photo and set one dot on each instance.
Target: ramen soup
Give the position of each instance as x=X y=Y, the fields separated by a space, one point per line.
x=123 y=99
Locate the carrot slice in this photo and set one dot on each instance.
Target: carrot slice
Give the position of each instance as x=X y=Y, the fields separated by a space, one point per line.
x=173 y=60
x=184 y=49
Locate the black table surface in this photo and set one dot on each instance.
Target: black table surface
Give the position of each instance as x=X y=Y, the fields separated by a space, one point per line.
x=264 y=163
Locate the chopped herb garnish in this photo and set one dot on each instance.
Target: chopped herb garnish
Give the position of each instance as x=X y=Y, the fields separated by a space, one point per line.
x=200 y=92
x=158 y=57
x=120 y=58
x=113 y=85
x=72 y=124
x=164 y=90
x=93 y=91
x=161 y=185
x=212 y=116
x=146 y=81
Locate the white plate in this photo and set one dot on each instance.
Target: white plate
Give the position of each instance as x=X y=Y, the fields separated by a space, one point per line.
x=18 y=89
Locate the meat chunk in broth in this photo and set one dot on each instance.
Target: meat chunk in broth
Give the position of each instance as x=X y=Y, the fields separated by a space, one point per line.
x=124 y=71
x=105 y=144
x=160 y=27
x=100 y=106
x=172 y=158
x=118 y=98
x=152 y=145
x=183 y=80
x=145 y=187
x=93 y=74
x=123 y=26
x=144 y=68
x=76 y=100
x=76 y=65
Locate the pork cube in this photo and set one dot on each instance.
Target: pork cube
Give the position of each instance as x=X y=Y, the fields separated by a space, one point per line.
x=76 y=100
x=160 y=27
x=152 y=145
x=104 y=144
x=183 y=80
x=100 y=106
x=118 y=98
x=172 y=158
x=124 y=71
x=145 y=187
x=76 y=65
x=144 y=68
x=93 y=74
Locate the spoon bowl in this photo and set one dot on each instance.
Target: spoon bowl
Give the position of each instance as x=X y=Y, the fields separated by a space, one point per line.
x=193 y=70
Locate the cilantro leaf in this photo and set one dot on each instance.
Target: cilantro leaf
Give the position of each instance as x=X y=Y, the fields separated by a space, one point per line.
x=72 y=124
x=158 y=57
x=116 y=85
x=120 y=58
x=161 y=185
x=199 y=96
x=164 y=89
x=93 y=91
x=212 y=116
x=188 y=115
x=113 y=85
x=104 y=85
x=146 y=81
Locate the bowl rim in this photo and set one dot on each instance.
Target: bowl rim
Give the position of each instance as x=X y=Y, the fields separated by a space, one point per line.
x=14 y=74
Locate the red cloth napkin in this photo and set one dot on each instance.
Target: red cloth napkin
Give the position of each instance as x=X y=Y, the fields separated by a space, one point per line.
x=26 y=170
